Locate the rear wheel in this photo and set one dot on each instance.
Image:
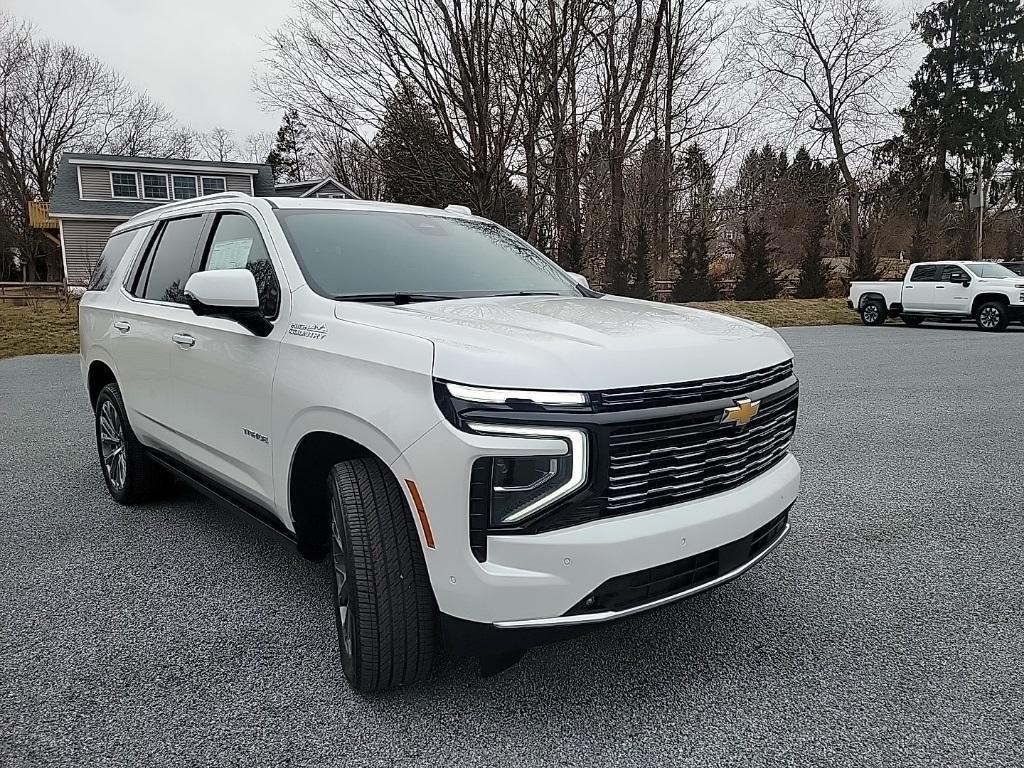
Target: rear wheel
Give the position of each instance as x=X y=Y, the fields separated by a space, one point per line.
x=992 y=316
x=873 y=313
x=131 y=476
x=384 y=606
x=912 y=320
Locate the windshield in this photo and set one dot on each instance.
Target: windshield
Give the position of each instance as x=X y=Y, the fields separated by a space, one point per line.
x=363 y=253
x=987 y=269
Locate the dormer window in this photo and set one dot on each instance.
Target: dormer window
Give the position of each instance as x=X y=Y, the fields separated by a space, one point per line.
x=185 y=187
x=154 y=186
x=213 y=184
x=124 y=184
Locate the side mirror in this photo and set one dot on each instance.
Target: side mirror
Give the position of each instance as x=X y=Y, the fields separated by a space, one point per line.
x=228 y=293
x=579 y=279
x=967 y=283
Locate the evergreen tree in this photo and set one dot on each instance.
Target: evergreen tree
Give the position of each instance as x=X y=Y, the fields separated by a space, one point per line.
x=814 y=271
x=758 y=279
x=693 y=263
x=419 y=165
x=288 y=158
x=966 y=95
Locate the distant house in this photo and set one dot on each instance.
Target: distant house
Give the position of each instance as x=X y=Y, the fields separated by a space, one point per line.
x=328 y=187
x=95 y=193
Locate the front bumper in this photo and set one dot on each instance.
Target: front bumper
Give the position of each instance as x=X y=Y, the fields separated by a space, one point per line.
x=535 y=579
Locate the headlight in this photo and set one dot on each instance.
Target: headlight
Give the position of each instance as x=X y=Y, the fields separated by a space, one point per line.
x=521 y=486
x=502 y=396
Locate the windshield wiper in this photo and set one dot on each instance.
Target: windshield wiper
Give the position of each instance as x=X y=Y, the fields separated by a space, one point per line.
x=528 y=293
x=394 y=298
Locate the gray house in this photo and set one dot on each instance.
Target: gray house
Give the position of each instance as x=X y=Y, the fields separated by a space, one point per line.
x=328 y=187
x=95 y=193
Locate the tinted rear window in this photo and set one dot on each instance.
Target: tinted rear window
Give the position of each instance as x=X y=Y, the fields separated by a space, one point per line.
x=172 y=260
x=110 y=259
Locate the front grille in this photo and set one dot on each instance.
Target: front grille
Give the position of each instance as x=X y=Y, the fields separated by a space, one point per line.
x=651 y=584
x=666 y=461
x=691 y=391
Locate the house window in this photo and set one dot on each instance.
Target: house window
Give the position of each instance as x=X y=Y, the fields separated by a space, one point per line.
x=331 y=195
x=184 y=187
x=124 y=184
x=154 y=186
x=213 y=184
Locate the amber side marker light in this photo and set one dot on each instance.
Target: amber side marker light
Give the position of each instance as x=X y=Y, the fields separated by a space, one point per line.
x=424 y=520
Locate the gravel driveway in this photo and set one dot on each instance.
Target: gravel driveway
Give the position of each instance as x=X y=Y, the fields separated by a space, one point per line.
x=887 y=630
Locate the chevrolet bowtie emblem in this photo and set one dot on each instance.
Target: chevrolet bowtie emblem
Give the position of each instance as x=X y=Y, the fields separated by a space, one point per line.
x=741 y=413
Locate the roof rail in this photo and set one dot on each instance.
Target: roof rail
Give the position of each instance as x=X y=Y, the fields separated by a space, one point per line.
x=190 y=201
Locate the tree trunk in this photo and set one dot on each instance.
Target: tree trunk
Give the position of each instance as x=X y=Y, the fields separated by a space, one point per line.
x=855 y=250
x=616 y=213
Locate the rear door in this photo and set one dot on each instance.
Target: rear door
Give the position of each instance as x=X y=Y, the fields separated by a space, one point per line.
x=223 y=374
x=951 y=296
x=919 y=291
x=144 y=324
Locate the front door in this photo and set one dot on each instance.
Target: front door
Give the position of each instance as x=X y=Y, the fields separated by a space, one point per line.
x=951 y=295
x=224 y=375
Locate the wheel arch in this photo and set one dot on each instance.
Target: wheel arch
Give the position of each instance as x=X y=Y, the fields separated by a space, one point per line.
x=308 y=501
x=984 y=298
x=871 y=296
x=100 y=374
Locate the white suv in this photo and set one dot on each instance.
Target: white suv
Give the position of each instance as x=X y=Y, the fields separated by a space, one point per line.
x=492 y=454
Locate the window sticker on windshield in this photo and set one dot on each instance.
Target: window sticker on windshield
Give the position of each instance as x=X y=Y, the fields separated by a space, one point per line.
x=230 y=254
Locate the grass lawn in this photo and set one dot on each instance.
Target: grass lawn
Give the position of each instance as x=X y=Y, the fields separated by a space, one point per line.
x=38 y=327
x=783 y=312
x=46 y=327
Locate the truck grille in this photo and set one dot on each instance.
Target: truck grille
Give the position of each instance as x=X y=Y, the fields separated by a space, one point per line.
x=666 y=461
x=691 y=391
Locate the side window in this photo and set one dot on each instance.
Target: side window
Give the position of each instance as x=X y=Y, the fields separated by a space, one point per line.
x=170 y=261
x=953 y=274
x=925 y=273
x=110 y=259
x=237 y=244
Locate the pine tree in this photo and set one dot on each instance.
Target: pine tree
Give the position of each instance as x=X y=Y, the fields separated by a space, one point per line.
x=966 y=95
x=814 y=271
x=418 y=164
x=758 y=280
x=288 y=159
x=693 y=264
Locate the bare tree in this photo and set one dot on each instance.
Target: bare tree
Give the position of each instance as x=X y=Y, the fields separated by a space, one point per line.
x=219 y=145
x=832 y=68
x=258 y=145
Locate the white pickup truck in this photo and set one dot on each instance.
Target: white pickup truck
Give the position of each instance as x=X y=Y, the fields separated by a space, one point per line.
x=942 y=290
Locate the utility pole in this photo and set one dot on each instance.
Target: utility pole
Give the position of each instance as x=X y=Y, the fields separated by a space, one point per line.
x=978 y=203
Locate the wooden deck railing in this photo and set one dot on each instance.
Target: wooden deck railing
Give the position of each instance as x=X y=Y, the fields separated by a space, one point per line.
x=39 y=216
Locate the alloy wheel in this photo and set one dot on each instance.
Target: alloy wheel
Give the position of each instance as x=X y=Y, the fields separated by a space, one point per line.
x=871 y=313
x=989 y=317
x=112 y=448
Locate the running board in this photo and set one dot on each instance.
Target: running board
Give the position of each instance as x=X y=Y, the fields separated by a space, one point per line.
x=231 y=501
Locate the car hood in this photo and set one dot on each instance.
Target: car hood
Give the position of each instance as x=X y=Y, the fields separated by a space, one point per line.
x=578 y=342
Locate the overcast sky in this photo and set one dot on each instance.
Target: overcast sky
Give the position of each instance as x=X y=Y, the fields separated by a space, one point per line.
x=197 y=57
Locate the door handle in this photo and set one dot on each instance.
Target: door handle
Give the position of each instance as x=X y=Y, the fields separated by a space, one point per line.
x=941 y=286
x=183 y=340
x=122 y=326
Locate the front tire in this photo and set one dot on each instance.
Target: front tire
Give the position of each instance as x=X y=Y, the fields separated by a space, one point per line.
x=992 y=316
x=384 y=607
x=131 y=476
x=873 y=313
